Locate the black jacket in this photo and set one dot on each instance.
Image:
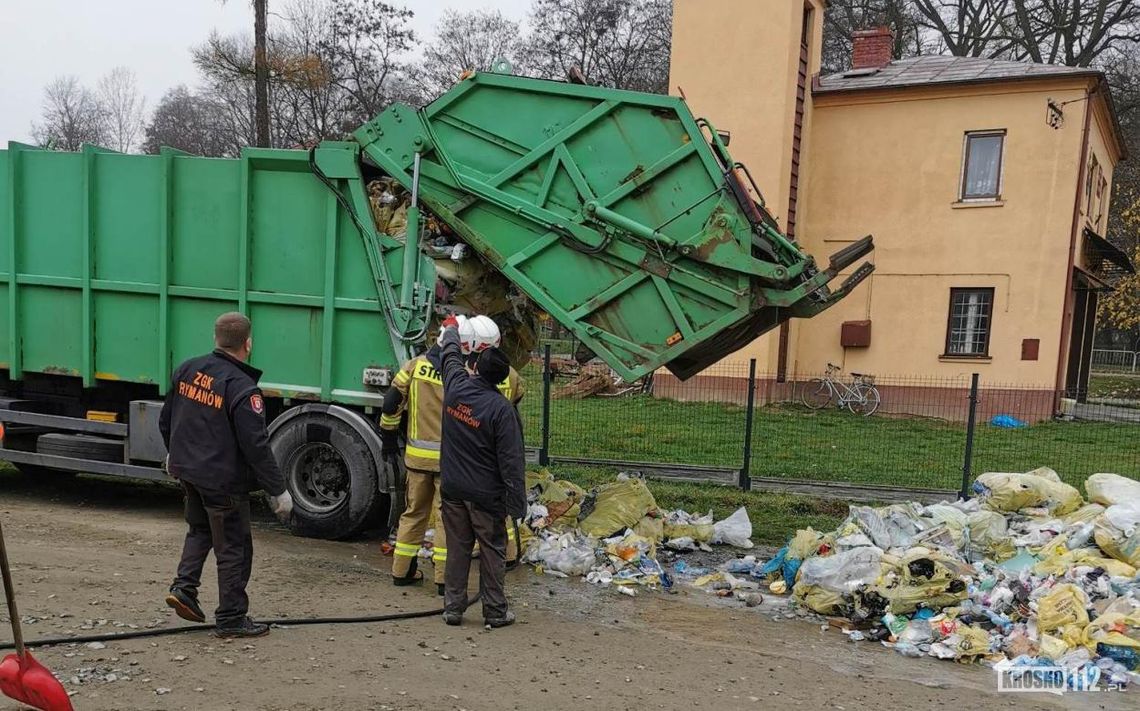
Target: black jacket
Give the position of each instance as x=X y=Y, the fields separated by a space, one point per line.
x=482 y=459
x=213 y=424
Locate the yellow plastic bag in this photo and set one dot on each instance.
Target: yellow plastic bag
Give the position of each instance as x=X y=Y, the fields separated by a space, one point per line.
x=650 y=527
x=804 y=544
x=1115 y=629
x=920 y=578
x=1062 y=561
x=972 y=641
x=1085 y=514
x=1052 y=647
x=1011 y=492
x=1062 y=606
x=699 y=532
x=1117 y=532
x=618 y=506
x=819 y=599
x=989 y=535
x=1109 y=489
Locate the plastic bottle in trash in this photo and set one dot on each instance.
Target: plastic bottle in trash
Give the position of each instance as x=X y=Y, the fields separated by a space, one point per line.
x=1080 y=537
x=895 y=623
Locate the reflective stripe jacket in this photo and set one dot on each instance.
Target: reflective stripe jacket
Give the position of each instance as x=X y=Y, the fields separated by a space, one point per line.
x=418 y=391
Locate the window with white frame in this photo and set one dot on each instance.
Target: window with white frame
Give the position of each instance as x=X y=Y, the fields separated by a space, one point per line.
x=968 y=325
x=982 y=165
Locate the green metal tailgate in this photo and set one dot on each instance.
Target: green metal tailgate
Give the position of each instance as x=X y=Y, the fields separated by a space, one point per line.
x=616 y=212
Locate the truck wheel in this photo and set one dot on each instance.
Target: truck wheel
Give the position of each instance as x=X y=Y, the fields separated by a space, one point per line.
x=331 y=474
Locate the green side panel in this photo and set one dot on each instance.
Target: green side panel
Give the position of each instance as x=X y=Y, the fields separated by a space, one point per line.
x=5 y=214
x=206 y=215
x=5 y=325
x=127 y=210
x=50 y=320
x=288 y=208
x=125 y=328
x=50 y=215
x=357 y=334
x=287 y=345
x=192 y=328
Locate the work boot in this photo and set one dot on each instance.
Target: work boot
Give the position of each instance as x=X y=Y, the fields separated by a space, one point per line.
x=496 y=622
x=245 y=627
x=453 y=619
x=185 y=605
x=412 y=577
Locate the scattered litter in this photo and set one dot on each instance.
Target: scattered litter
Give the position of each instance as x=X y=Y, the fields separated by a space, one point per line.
x=1026 y=575
x=611 y=535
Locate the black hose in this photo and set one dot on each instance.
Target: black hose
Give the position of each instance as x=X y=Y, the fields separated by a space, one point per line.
x=141 y=634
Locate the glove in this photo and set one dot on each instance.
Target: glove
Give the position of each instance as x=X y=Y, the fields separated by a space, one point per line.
x=452 y=321
x=282 y=506
x=389 y=444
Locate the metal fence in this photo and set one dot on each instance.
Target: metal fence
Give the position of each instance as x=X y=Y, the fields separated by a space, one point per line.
x=1115 y=361
x=733 y=426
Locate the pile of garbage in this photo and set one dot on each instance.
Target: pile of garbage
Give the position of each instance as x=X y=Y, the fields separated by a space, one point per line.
x=465 y=283
x=1025 y=574
x=611 y=535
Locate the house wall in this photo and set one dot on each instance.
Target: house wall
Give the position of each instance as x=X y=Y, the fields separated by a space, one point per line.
x=889 y=164
x=736 y=62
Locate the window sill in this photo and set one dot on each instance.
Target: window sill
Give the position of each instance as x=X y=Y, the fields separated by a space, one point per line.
x=965 y=204
x=969 y=358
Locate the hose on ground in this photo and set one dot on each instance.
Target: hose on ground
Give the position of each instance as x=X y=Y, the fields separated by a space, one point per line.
x=285 y=621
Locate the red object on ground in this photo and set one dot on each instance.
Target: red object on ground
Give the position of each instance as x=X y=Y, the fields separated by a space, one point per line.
x=21 y=677
x=29 y=682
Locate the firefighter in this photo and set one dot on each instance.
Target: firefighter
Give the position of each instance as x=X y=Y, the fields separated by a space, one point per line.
x=482 y=469
x=213 y=425
x=484 y=334
x=417 y=390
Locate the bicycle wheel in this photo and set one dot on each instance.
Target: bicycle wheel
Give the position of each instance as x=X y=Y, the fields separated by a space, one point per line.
x=816 y=393
x=867 y=402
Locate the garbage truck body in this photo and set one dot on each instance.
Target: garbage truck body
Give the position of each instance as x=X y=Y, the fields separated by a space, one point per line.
x=617 y=214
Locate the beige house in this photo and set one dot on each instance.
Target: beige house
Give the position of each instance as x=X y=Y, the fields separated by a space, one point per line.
x=985 y=183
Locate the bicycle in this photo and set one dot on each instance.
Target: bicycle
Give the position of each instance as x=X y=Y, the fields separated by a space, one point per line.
x=861 y=397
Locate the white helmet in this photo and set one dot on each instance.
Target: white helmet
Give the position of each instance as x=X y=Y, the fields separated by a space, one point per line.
x=484 y=333
x=466 y=334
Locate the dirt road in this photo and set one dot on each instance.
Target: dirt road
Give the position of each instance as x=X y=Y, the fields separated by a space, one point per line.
x=89 y=553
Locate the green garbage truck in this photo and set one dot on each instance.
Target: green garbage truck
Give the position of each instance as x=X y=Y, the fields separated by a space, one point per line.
x=615 y=213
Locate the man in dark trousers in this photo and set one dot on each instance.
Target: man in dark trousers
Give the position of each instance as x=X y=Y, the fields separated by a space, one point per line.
x=482 y=469
x=213 y=424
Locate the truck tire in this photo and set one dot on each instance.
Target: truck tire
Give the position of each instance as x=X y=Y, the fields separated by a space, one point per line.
x=80 y=446
x=330 y=471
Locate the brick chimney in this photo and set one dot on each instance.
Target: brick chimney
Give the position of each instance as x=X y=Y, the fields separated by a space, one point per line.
x=872 y=48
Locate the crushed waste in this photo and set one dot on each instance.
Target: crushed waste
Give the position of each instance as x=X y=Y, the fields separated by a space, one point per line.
x=1026 y=574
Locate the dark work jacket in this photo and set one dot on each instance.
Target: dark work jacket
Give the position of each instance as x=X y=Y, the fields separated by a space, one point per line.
x=482 y=458
x=213 y=424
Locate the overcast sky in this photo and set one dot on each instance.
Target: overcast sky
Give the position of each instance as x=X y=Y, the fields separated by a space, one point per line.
x=44 y=39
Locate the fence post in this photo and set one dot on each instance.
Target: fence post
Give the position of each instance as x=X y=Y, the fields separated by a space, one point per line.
x=970 y=422
x=544 y=452
x=745 y=480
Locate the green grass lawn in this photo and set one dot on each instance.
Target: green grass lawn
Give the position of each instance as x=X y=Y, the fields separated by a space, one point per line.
x=1118 y=387
x=827 y=446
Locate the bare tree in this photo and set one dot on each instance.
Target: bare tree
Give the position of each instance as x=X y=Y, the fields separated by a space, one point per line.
x=467 y=41
x=372 y=38
x=618 y=43
x=190 y=122
x=123 y=109
x=71 y=116
x=1076 y=33
x=843 y=17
